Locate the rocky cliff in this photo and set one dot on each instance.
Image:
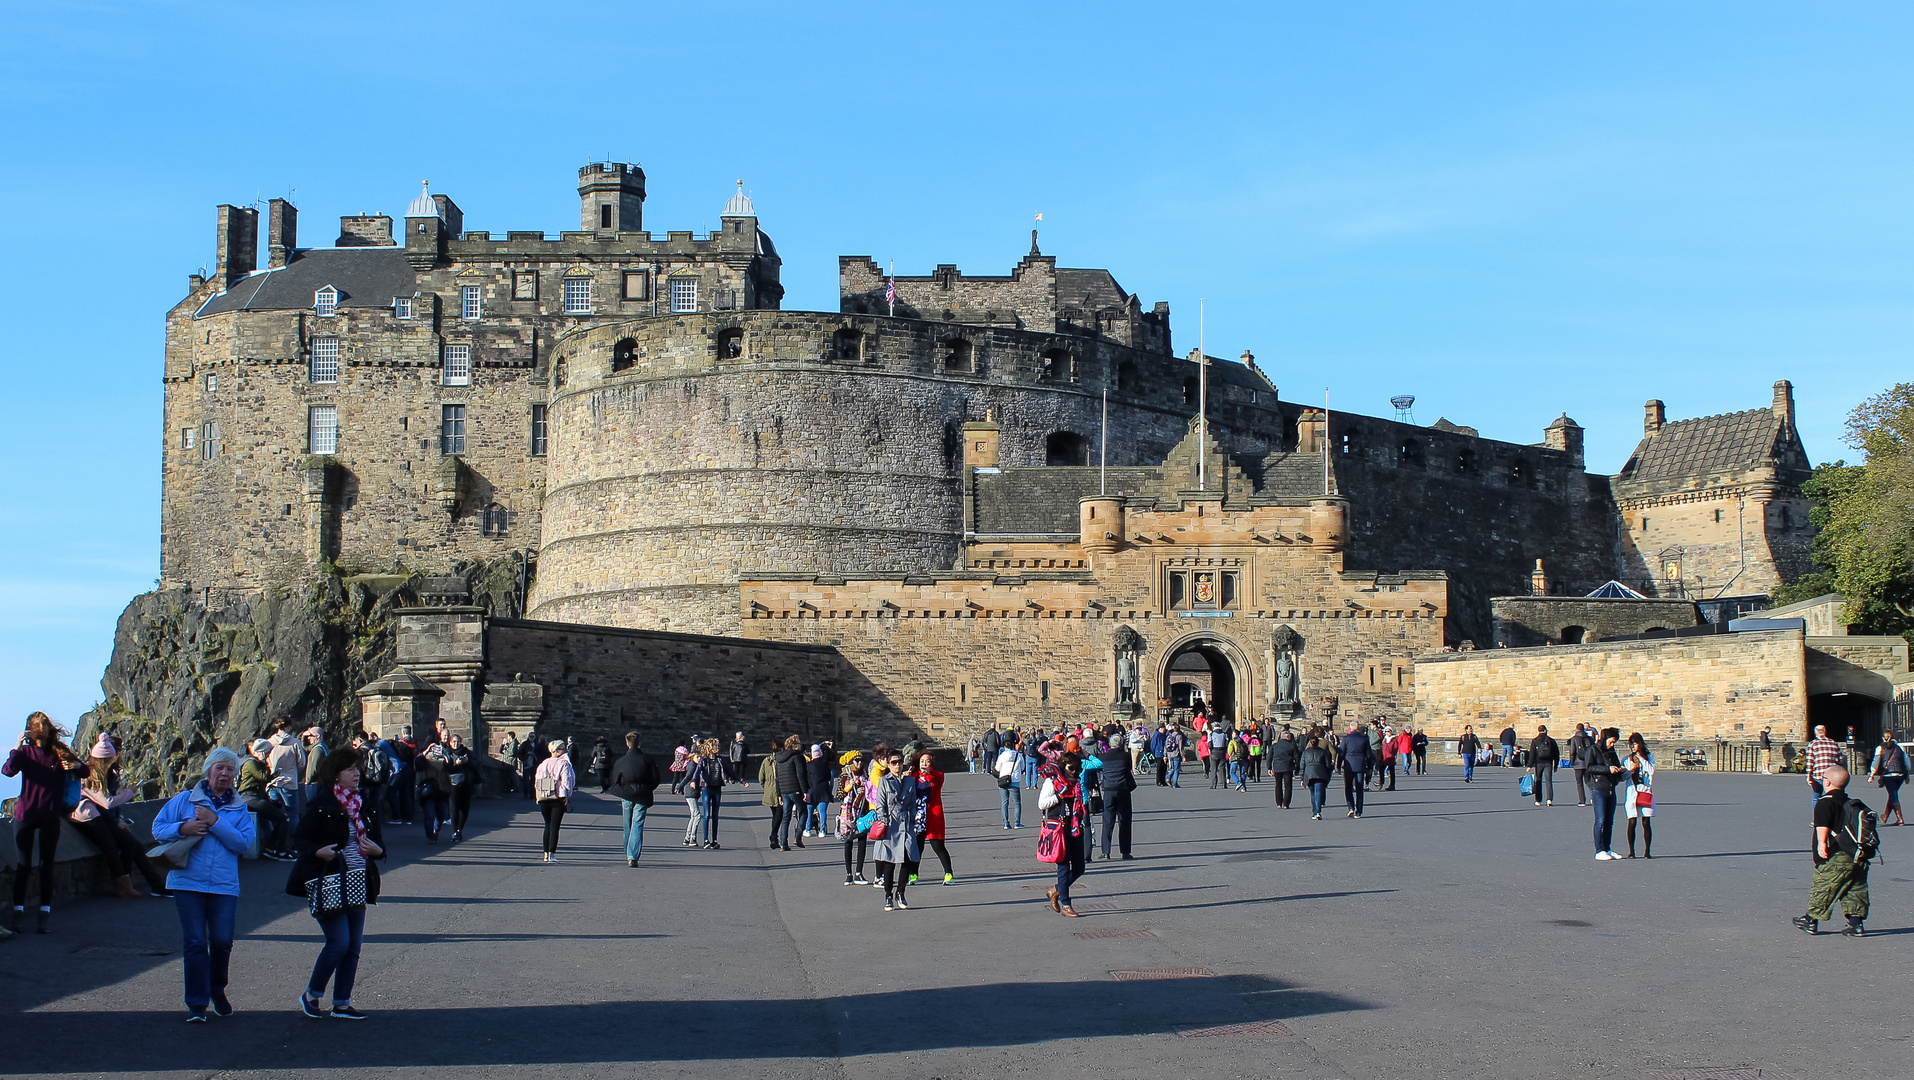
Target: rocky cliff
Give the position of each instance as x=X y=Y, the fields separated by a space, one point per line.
x=194 y=670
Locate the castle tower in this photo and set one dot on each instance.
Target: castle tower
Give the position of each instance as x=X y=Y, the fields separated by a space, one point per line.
x=611 y=197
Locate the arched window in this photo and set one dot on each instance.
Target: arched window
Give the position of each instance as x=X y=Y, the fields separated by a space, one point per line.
x=847 y=344
x=957 y=354
x=1059 y=366
x=730 y=344
x=1066 y=448
x=623 y=355
x=495 y=521
x=1126 y=377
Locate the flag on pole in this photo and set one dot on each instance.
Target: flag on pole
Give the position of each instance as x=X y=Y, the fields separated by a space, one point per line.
x=890 y=290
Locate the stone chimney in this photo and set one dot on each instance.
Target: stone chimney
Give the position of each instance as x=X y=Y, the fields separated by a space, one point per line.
x=282 y=233
x=365 y=230
x=1657 y=416
x=237 y=251
x=1784 y=402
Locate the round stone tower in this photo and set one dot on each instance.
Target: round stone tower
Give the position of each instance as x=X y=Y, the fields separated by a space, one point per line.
x=687 y=450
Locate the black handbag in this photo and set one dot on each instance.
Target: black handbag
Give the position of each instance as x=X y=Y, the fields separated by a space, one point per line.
x=330 y=894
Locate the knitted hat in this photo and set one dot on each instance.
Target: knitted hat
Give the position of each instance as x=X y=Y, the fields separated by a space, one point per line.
x=104 y=748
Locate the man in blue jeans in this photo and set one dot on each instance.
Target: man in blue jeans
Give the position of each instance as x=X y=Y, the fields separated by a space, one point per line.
x=633 y=779
x=1010 y=794
x=1173 y=754
x=1468 y=746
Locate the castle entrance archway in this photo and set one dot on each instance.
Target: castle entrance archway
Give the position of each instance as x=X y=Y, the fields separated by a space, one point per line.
x=1210 y=667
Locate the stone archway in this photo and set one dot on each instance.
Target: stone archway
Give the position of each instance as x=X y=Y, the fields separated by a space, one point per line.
x=1230 y=679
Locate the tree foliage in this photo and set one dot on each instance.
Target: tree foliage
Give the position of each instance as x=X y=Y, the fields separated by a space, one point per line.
x=1864 y=514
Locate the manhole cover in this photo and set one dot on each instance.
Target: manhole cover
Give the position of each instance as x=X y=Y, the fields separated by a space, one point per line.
x=1729 y=1072
x=1145 y=974
x=1570 y=922
x=1116 y=933
x=1256 y=1029
x=119 y=950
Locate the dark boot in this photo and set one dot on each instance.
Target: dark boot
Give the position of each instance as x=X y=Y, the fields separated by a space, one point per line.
x=123 y=887
x=46 y=917
x=1648 y=839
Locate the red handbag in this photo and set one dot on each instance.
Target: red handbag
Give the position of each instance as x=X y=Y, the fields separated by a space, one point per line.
x=879 y=830
x=1644 y=797
x=1050 y=841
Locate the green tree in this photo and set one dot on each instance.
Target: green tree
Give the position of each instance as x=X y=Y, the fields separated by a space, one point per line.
x=1865 y=517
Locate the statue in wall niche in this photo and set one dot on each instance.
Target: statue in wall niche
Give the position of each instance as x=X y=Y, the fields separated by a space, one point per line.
x=1128 y=645
x=1285 y=642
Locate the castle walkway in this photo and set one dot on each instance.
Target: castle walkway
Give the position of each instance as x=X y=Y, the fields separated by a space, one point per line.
x=1453 y=932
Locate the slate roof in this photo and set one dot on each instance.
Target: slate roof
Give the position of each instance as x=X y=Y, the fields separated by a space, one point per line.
x=1091 y=290
x=1690 y=453
x=365 y=277
x=1043 y=499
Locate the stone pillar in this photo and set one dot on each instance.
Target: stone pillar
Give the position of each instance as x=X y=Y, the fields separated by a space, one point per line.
x=446 y=647
x=514 y=707
x=398 y=700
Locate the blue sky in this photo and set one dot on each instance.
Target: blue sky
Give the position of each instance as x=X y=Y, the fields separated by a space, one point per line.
x=1508 y=210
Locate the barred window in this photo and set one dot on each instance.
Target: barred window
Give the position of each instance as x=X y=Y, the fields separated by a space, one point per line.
x=325 y=360
x=325 y=301
x=496 y=520
x=469 y=307
x=538 y=430
x=322 y=429
x=458 y=365
x=577 y=296
x=402 y=307
x=451 y=429
x=684 y=294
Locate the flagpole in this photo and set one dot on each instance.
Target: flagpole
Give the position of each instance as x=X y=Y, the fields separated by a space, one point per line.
x=1325 y=440
x=1202 y=404
x=1103 y=447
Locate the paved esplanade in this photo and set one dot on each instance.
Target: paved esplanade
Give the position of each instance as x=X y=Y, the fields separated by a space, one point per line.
x=1452 y=933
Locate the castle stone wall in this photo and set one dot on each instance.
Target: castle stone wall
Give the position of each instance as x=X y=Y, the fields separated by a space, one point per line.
x=1526 y=621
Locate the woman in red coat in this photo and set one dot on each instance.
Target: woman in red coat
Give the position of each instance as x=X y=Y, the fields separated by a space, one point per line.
x=930 y=831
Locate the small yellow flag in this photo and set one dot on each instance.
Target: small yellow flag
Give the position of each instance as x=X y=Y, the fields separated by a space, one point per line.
x=1040 y=216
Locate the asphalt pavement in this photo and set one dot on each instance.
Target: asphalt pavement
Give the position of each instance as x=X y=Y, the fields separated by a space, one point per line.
x=1454 y=931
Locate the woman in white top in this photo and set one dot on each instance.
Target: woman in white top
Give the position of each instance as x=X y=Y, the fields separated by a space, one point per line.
x=1638 y=799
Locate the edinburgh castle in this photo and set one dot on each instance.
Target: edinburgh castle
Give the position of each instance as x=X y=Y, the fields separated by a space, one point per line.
x=955 y=500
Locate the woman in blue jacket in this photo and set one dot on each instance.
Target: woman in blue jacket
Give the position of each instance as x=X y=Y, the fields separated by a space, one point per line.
x=207 y=890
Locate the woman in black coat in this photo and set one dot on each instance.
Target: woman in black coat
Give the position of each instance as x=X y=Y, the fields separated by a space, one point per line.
x=338 y=834
x=1316 y=764
x=462 y=772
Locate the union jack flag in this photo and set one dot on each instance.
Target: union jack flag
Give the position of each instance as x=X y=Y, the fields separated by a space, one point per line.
x=890 y=290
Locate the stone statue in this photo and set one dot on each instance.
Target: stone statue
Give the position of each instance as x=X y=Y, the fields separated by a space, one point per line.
x=1285 y=642
x=1128 y=645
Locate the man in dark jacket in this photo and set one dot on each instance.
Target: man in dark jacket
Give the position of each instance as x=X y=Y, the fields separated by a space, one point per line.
x=1118 y=782
x=1420 y=744
x=1466 y=748
x=1578 y=747
x=735 y=755
x=1543 y=756
x=601 y=764
x=1281 y=753
x=633 y=778
x=1508 y=746
x=788 y=773
x=1356 y=762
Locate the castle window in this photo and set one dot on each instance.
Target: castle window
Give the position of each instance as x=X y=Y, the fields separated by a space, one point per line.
x=1464 y=461
x=637 y=285
x=958 y=354
x=1066 y=448
x=1179 y=589
x=1348 y=442
x=1228 y=598
x=495 y=521
x=469 y=304
x=1059 y=366
x=577 y=296
x=1787 y=518
x=730 y=344
x=451 y=429
x=1409 y=455
x=538 y=430
x=604 y=215
x=684 y=295
x=322 y=429
x=846 y=344
x=325 y=360
x=1190 y=391
x=402 y=307
x=1717 y=517
x=325 y=301
x=623 y=354
x=1518 y=473
x=188 y=438
x=208 y=440
x=456 y=369
x=212 y=384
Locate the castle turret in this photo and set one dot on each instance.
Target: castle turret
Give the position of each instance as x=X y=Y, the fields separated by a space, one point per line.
x=425 y=230
x=1564 y=435
x=1100 y=523
x=611 y=197
x=980 y=443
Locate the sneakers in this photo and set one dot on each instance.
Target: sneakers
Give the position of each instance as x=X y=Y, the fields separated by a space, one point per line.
x=849 y=881
x=222 y=1006
x=1854 y=929
x=901 y=903
x=1603 y=856
x=1315 y=817
x=196 y=1017
x=712 y=844
x=888 y=906
x=310 y=1006
x=1612 y=855
x=1807 y=925
x=545 y=856
x=878 y=884
x=633 y=863
x=860 y=879
x=950 y=879
x=912 y=881
x=346 y=1012
x=551 y=858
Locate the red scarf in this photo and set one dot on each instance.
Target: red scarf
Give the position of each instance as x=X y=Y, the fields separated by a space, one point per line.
x=349 y=802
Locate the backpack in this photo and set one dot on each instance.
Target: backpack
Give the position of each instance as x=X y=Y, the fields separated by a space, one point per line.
x=1860 y=831
x=546 y=785
x=377 y=769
